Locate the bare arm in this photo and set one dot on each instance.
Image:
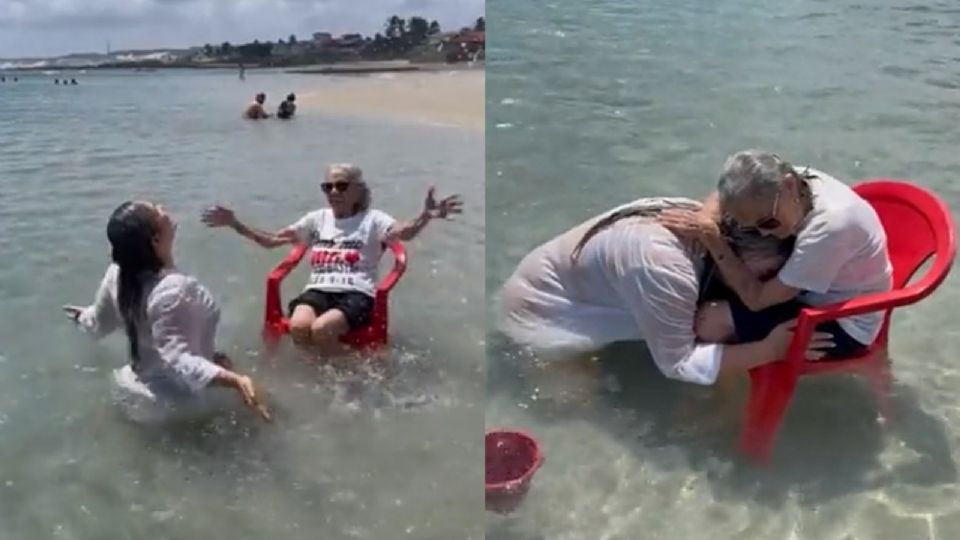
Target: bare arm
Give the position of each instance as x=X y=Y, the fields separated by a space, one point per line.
x=754 y=293
x=265 y=239
x=407 y=230
x=711 y=206
x=221 y=216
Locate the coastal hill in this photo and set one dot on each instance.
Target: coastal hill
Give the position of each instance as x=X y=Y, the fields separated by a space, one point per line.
x=414 y=40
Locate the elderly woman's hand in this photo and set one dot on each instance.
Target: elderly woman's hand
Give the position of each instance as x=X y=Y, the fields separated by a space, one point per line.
x=690 y=224
x=218 y=216
x=447 y=206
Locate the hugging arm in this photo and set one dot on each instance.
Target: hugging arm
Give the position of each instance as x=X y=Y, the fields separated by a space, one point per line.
x=664 y=304
x=755 y=293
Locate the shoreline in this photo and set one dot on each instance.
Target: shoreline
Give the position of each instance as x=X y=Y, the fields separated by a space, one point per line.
x=451 y=97
x=333 y=68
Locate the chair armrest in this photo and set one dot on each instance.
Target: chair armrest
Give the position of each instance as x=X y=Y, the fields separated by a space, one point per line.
x=862 y=304
x=274 y=306
x=399 y=267
x=811 y=317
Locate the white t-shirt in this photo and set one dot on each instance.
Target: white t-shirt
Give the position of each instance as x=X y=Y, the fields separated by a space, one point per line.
x=633 y=281
x=840 y=253
x=344 y=252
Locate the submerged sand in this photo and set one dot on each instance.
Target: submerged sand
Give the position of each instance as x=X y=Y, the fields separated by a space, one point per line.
x=447 y=97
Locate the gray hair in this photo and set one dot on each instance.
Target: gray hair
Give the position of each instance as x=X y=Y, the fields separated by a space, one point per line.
x=354 y=174
x=752 y=175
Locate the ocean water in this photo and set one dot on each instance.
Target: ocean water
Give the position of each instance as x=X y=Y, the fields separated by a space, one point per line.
x=380 y=455
x=597 y=102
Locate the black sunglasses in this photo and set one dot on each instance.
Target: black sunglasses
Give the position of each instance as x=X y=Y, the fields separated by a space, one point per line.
x=770 y=223
x=327 y=187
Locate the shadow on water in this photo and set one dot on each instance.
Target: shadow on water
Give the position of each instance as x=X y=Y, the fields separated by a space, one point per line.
x=830 y=445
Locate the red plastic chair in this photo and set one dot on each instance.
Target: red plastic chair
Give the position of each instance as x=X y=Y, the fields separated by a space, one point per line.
x=918 y=226
x=368 y=338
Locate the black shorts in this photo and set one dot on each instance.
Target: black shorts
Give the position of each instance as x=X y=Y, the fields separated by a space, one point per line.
x=755 y=325
x=357 y=307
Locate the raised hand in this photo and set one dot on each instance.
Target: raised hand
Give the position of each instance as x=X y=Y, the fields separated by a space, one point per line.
x=218 y=216
x=443 y=208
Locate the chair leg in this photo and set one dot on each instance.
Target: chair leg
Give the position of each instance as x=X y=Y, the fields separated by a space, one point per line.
x=880 y=379
x=771 y=389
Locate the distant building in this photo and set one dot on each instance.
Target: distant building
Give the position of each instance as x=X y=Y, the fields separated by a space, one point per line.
x=322 y=39
x=463 y=45
x=348 y=41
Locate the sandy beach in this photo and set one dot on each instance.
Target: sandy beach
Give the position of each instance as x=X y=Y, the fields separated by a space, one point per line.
x=447 y=97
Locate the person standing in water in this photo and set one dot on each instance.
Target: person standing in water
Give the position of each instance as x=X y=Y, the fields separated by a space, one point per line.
x=170 y=320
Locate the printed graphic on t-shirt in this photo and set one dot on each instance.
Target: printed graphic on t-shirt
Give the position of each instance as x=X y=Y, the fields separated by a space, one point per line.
x=336 y=262
x=344 y=252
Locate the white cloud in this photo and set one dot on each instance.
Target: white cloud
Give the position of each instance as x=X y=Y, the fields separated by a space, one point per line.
x=48 y=27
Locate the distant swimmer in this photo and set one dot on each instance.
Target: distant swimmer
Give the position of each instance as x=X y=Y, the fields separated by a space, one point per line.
x=255 y=110
x=73 y=81
x=56 y=81
x=287 y=107
x=243 y=72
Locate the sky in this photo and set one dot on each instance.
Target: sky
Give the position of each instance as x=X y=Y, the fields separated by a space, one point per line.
x=32 y=28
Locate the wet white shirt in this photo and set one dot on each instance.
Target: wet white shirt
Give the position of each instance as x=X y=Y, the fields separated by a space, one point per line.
x=840 y=253
x=176 y=341
x=633 y=281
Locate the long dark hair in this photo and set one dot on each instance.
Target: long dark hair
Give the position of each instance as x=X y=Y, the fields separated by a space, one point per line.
x=132 y=230
x=642 y=210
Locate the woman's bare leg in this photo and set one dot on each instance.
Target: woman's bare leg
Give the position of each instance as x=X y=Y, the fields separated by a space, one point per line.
x=325 y=333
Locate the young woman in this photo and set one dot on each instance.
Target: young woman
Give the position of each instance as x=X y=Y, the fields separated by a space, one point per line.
x=347 y=240
x=169 y=318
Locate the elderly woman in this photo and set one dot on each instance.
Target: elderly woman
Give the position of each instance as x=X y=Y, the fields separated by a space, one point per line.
x=170 y=320
x=622 y=276
x=348 y=239
x=840 y=250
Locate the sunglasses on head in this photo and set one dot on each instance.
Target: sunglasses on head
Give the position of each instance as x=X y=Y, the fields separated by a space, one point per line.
x=327 y=187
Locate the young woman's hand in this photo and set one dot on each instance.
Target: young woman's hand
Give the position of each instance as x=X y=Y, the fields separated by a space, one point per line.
x=218 y=216
x=447 y=206
x=73 y=312
x=780 y=337
x=248 y=393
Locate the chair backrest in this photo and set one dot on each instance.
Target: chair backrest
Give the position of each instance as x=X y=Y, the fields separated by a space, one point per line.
x=918 y=225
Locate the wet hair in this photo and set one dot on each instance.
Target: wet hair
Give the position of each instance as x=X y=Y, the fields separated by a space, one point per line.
x=132 y=230
x=354 y=174
x=291 y=97
x=743 y=241
x=754 y=175
x=629 y=212
x=260 y=96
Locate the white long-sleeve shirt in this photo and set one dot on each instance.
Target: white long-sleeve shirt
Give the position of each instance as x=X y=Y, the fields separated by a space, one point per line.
x=633 y=281
x=176 y=340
